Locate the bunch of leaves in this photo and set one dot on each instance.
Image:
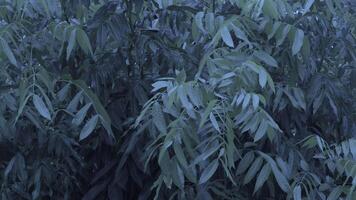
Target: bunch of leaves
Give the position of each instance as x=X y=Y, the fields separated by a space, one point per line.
x=163 y=99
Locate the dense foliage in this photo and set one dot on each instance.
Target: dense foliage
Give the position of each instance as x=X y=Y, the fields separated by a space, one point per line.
x=177 y=99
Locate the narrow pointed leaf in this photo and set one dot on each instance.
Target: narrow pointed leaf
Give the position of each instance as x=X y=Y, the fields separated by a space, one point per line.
x=198 y=19
x=335 y=193
x=261 y=131
x=207 y=112
x=88 y=127
x=255 y=167
x=262 y=78
x=7 y=50
x=255 y=101
x=79 y=117
x=214 y=122
x=71 y=42
x=208 y=172
x=297 y=193
x=307 y=6
x=158 y=118
x=41 y=107
x=246 y=101
x=245 y=163
x=226 y=37
x=298 y=41
x=262 y=177
x=83 y=41
x=265 y=57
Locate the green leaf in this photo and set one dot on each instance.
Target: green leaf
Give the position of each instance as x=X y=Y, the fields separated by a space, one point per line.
x=79 y=117
x=271 y=83
x=255 y=101
x=299 y=97
x=245 y=162
x=255 y=167
x=37 y=183
x=332 y=104
x=182 y=93
x=307 y=6
x=270 y=9
x=281 y=37
x=180 y=177
x=262 y=78
x=71 y=42
x=45 y=6
x=240 y=98
x=24 y=97
x=226 y=37
x=297 y=193
x=10 y=166
x=62 y=93
x=159 y=85
x=158 y=118
x=214 y=122
x=181 y=76
x=330 y=5
x=99 y=108
x=261 y=131
x=262 y=177
x=239 y=33
x=275 y=27
x=207 y=153
x=73 y=104
x=246 y=101
x=83 y=41
x=88 y=127
x=195 y=96
x=258 y=9
x=41 y=107
x=180 y=154
x=209 y=171
x=265 y=57
x=298 y=41
x=7 y=50
x=44 y=76
x=335 y=193
x=198 y=19
x=210 y=24
x=281 y=179
x=352 y=145
x=207 y=112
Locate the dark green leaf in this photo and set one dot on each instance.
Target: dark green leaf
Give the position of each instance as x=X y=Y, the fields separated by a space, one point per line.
x=307 y=6
x=262 y=177
x=245 y=163
x=265 y=57
x=83 y=41
x=209 y=171
x=88 y=127
x=41 y=107
x=207 y=112
x=335 y=193
x=71 y=42
x=79 y=117
x=158 y=118
x=7 y=50
x=261 y=131
x=226 y=37
x=298 y=41
x=252 y=171
x=297 y=193
x=214 y=122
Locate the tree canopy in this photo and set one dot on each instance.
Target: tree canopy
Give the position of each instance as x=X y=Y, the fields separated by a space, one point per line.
x=178 y=99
